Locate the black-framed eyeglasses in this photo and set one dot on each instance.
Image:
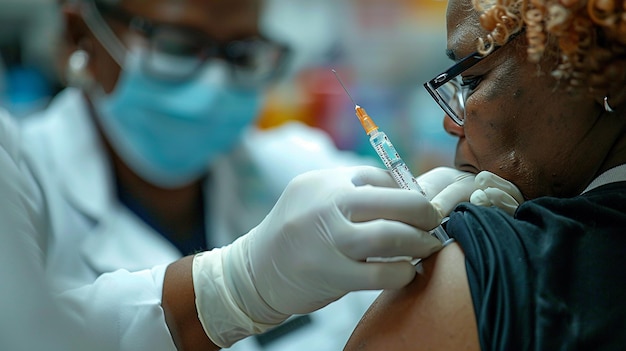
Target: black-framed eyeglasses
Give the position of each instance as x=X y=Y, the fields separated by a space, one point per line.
x=176 y=52
x=448 y=89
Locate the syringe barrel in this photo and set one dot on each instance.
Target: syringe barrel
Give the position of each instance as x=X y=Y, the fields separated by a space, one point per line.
x=441 y=234
x=394 y=163
x=401 y=173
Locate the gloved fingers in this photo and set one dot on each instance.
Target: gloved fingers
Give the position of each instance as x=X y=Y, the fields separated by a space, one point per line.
x=437 y=179
x=479 y=198
x=383 y=238
x=453 y=195
x=495 y=197
x=326 y=181
x=502 y=199
x=370 y=175
x=486 y=179
x=369 y=203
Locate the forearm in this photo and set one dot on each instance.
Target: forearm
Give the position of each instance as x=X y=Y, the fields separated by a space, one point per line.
x=180 y=308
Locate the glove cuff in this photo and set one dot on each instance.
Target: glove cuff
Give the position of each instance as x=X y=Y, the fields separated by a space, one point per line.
x=219 y=312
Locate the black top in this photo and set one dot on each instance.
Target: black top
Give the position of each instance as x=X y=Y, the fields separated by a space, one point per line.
x=553 y=277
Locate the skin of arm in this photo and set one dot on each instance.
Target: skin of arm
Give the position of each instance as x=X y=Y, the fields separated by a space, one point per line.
x=433 y=312
x=180 y=311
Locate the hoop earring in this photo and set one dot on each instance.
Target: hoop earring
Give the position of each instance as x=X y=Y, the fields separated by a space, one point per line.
x=76 y=73
x=607 y=107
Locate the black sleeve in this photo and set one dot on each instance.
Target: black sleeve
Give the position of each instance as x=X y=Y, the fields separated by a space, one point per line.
x=550 y=278
x=499 y=276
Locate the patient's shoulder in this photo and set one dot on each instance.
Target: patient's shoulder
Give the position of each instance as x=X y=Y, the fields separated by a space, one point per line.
x=434 y=312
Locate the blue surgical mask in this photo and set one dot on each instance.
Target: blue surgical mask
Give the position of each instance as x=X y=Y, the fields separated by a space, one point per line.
x=170 y=132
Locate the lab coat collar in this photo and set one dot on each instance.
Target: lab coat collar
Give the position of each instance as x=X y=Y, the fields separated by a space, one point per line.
x=86 y=168
x=115 y=232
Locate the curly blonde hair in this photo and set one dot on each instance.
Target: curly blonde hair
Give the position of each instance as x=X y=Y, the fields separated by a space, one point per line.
x=588 y=37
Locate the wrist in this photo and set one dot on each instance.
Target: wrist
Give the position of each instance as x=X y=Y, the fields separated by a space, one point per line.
x=240 y=281
x=223 y=302
x=179 y=309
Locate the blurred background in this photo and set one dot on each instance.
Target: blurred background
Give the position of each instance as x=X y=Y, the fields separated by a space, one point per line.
x=383 y=50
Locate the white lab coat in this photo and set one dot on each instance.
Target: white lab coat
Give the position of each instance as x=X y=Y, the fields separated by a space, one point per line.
x=91 y=233
x=31 y=318
x=26 y=306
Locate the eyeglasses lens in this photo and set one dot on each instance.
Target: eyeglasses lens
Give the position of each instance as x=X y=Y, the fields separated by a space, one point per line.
x=173 y=54
x=452 y=100
x=177 y=54
x=254 y=59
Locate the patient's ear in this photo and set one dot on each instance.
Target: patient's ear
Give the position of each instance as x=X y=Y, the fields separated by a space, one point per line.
x=434 y=312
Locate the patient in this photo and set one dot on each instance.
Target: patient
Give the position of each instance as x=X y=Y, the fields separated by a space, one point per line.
x=538 y=97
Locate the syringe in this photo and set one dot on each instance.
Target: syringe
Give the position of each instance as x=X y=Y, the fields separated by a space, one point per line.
x=392 y=160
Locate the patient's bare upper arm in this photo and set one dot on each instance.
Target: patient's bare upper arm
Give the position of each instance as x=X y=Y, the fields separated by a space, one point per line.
x=434 y=312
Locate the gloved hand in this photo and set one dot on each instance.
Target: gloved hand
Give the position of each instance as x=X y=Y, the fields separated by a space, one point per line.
x=496 y=191
x=311 y=249
x=447 y=187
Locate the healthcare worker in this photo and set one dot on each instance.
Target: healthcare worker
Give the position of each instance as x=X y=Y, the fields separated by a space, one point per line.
x=273 y=271
x=153 y=149
x=154 y=158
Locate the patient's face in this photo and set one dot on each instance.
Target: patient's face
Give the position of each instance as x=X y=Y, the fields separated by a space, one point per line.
x=520 y=123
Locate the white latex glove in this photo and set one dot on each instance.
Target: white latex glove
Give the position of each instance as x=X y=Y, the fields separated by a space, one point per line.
x=311 y=249
x=447 y=187
x=496 y=191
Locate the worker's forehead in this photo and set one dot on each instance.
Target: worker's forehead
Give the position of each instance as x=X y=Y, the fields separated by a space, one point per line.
x=220 y=19
x=183 y=2
x=204 y=7
x=216 y=5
